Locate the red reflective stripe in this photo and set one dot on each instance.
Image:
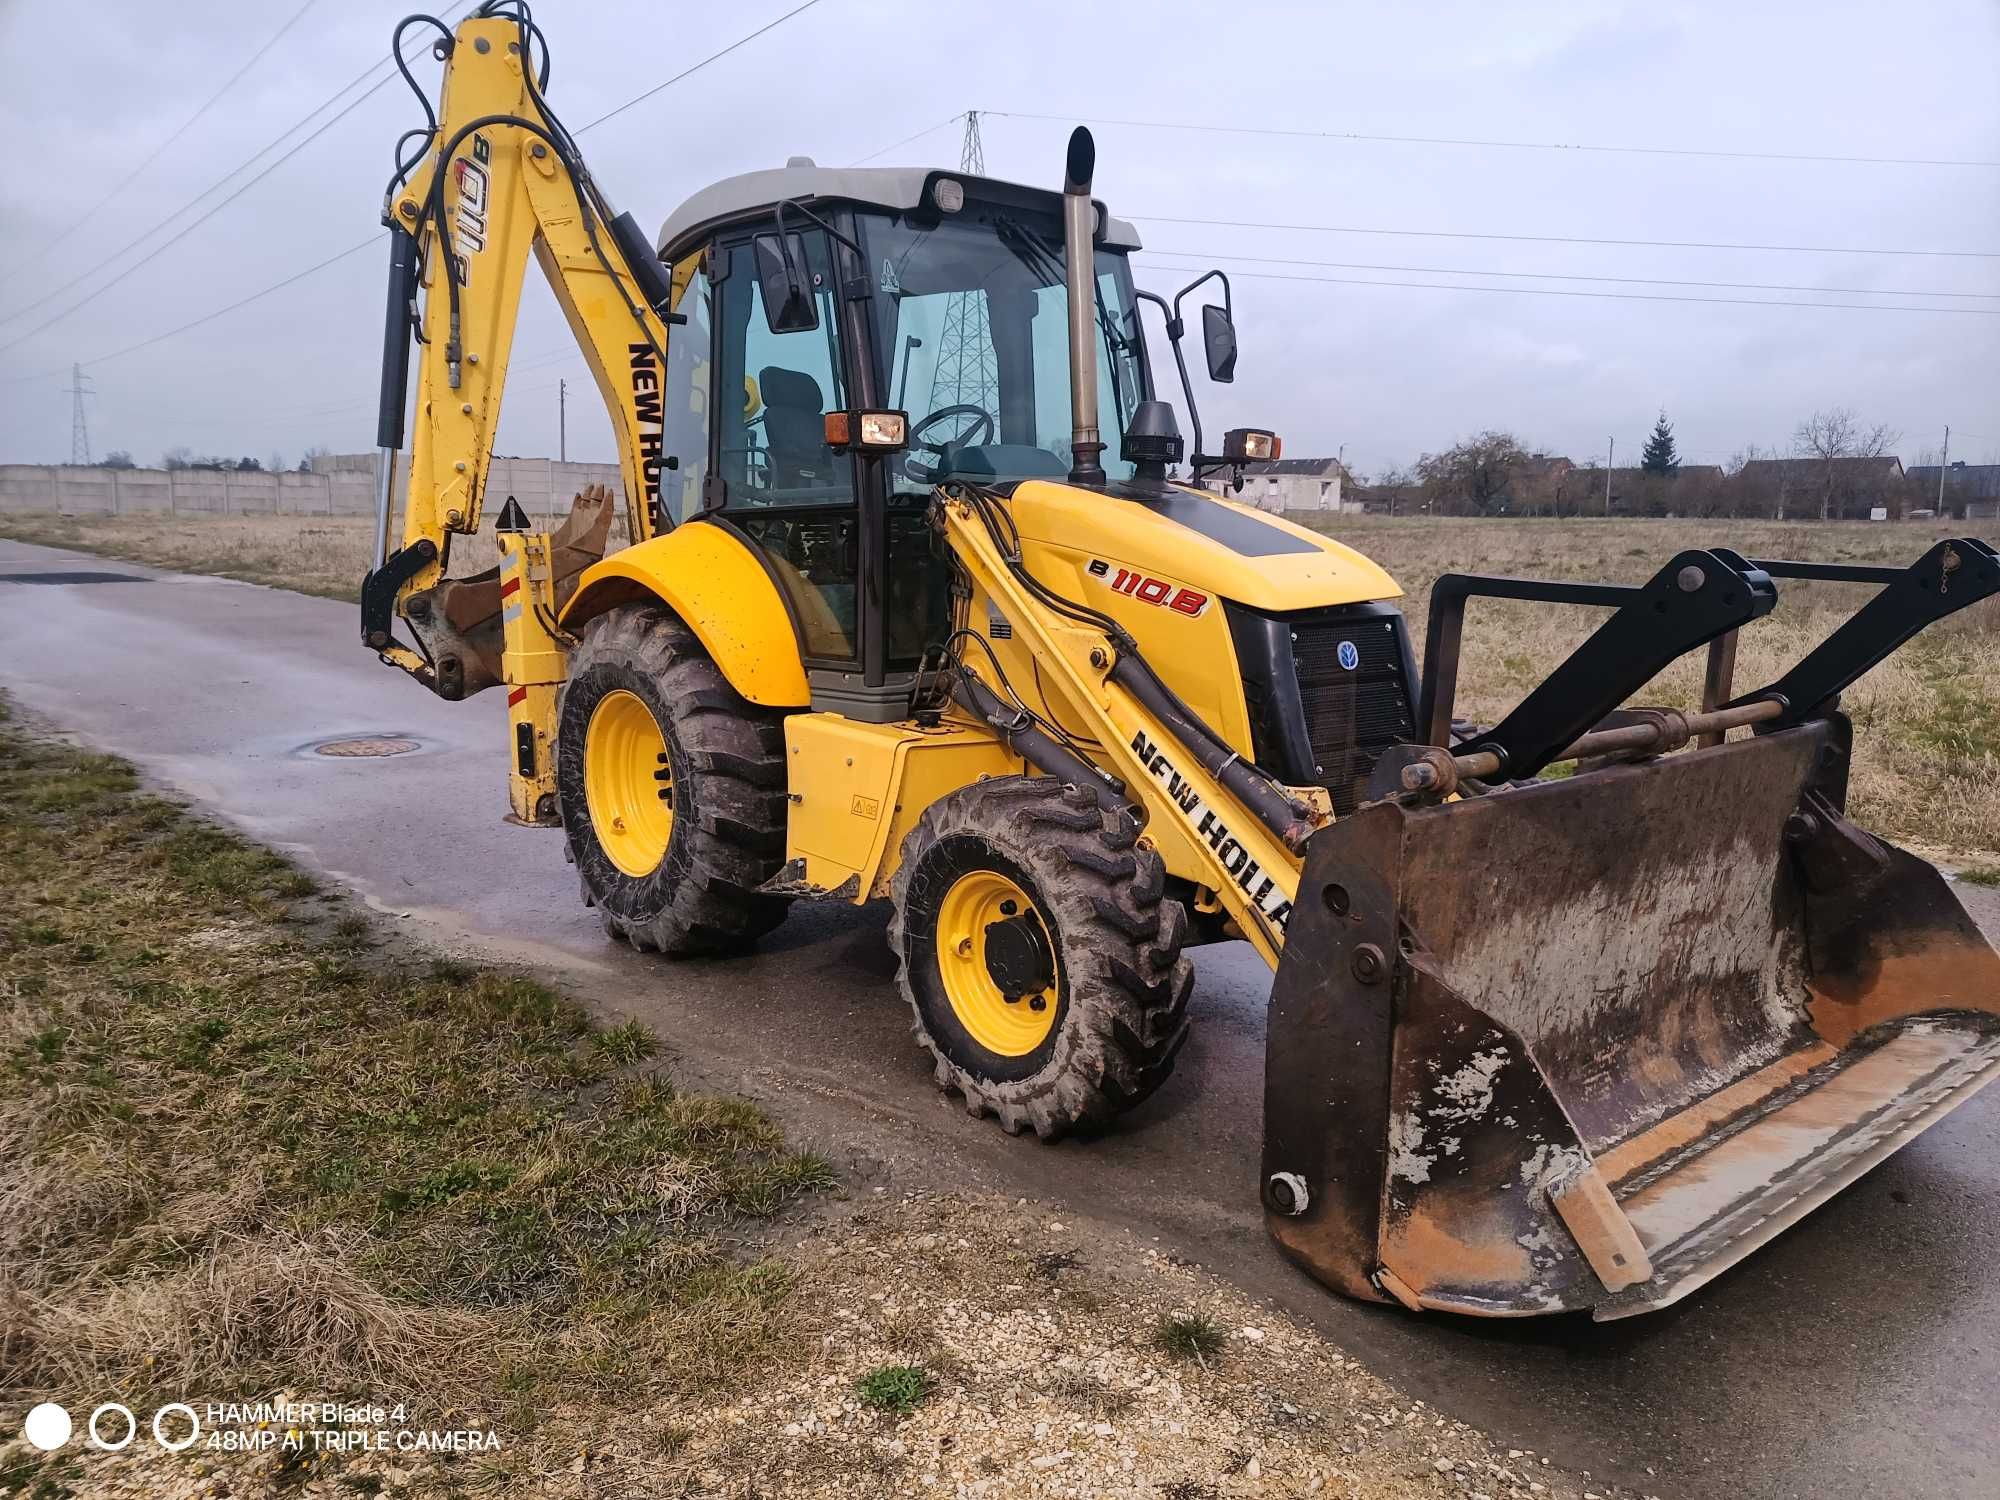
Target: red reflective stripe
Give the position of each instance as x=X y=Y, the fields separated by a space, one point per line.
x=509 y=586
x=516 y=696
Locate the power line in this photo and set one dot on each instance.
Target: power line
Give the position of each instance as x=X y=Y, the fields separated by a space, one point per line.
x=1550 y=291
x=1447 y=140
x=697 y=67
x=372 y=239
x=210 y=317
x=212 y=187
x=899 y=145
x=160 y=150
x=1557 y=239
x=1742 y=286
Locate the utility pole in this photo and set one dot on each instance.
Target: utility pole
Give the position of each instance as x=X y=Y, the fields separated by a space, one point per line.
x=79 y=429
x=562 y=421
x=1944 y=457
x=1610 y=454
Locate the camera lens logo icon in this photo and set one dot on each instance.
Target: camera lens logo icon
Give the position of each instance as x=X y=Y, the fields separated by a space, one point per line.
x=175 y=1445
x=48 y=1427
x=98 y=1438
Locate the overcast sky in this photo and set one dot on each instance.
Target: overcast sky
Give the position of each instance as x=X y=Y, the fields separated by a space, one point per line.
x=1388 y=372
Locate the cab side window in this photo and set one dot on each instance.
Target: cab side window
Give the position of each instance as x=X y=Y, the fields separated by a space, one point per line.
x=773 y=449
x=684 y=431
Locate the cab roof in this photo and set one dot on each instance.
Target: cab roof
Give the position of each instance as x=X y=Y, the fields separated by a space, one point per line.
x=897 y=189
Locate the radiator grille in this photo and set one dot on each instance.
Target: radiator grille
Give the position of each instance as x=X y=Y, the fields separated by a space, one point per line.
x=1352 y=715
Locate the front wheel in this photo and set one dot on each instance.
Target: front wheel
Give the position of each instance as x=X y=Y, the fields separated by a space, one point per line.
x=671 y=786
x=1040 y=960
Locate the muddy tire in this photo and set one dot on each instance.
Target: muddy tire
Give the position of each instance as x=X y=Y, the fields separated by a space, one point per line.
x=683 y=881
x=1016 y=883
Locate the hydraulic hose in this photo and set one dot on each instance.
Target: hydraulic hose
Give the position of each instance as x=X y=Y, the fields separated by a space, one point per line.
x=1267 y=801
x=1019 y=732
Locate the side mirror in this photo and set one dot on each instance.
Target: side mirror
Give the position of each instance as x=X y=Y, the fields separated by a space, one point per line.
x=1218 y=337
x=785 y=283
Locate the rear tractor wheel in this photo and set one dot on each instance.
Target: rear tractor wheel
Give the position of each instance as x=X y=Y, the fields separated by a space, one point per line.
x=1040 y=961
x=671 y=787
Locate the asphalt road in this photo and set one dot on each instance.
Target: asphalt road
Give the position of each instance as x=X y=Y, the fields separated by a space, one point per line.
x=1858 y=1355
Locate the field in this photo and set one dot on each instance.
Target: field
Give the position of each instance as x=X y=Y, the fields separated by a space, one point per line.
x=1927 y=721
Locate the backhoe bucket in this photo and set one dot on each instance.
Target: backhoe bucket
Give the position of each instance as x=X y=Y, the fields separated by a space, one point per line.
x=1587 y=1043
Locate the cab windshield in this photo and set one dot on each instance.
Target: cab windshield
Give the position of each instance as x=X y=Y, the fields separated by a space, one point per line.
x=972 y=333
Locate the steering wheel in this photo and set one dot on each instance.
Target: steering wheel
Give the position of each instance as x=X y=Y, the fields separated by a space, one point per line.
x=950 y=446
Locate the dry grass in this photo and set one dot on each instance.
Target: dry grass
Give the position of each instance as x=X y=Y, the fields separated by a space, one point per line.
x=1928 y=720
x=321 y=555
x=241 y=1151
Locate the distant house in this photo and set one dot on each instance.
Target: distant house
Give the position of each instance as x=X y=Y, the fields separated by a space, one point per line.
x=1841 y=489
x=1971 y=491
x=1288 y=484
x=1692 y=489
x=1384 y=499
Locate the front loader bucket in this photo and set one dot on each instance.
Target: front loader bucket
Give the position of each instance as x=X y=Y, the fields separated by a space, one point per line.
x=1587 y=1043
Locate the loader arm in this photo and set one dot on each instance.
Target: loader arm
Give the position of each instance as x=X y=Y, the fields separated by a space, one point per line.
x=499 y=179
x=1190 y=790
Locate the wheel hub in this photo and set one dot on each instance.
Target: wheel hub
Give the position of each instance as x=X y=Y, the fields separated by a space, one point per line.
x=1018 y=960
x=628 y=782
x=997 y=963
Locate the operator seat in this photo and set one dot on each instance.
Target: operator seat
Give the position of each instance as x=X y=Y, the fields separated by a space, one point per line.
x=795 y=430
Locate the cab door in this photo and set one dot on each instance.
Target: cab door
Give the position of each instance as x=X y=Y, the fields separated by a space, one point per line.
x=779 y=483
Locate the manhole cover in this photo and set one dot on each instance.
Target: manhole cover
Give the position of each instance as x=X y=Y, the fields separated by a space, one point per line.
x=366 y=745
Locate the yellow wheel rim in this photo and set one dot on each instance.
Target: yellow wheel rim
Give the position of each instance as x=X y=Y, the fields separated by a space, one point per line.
x=976 y=901
x=628 y=783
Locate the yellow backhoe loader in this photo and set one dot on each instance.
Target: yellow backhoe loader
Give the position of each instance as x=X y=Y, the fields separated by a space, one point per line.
x=914 y=607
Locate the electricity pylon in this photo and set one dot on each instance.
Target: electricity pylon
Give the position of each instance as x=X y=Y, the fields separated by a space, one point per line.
x=79 y=428
x=967 y=374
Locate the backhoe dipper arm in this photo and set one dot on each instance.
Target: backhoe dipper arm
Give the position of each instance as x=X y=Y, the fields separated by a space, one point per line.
x=500 y=178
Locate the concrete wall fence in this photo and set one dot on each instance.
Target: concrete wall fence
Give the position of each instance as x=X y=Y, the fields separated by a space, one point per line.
x=338 y=486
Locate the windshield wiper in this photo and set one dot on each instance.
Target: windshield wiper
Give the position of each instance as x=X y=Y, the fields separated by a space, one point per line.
x=1040 y=257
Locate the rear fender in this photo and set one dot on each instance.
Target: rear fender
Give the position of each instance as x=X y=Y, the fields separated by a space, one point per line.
x=717 y=585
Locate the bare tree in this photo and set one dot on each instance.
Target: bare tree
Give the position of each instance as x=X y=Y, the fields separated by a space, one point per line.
x=1398 y=483
x=1836 y=433
x=1474 y=473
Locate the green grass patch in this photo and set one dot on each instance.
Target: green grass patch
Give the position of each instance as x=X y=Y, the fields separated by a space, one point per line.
x=627 y=1043
x=1194 y=1336
x=1980 y=875
x=239 y=1158
x=900 y=1389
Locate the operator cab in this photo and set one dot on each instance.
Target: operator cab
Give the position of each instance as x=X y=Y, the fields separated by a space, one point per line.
x=810 y=291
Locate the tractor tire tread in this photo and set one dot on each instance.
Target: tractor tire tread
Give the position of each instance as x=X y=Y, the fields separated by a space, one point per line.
x=1120 y=939
x=731 y=822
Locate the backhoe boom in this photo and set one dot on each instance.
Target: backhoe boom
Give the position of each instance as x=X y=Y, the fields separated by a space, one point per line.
x=498 y=181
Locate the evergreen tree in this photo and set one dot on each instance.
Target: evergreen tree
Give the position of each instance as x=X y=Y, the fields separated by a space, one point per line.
x=1660 y=457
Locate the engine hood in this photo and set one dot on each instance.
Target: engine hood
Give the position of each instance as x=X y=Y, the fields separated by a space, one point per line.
x=1231 y=550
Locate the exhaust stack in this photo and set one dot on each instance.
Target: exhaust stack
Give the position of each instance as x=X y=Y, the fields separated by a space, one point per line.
x=1080 y=260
